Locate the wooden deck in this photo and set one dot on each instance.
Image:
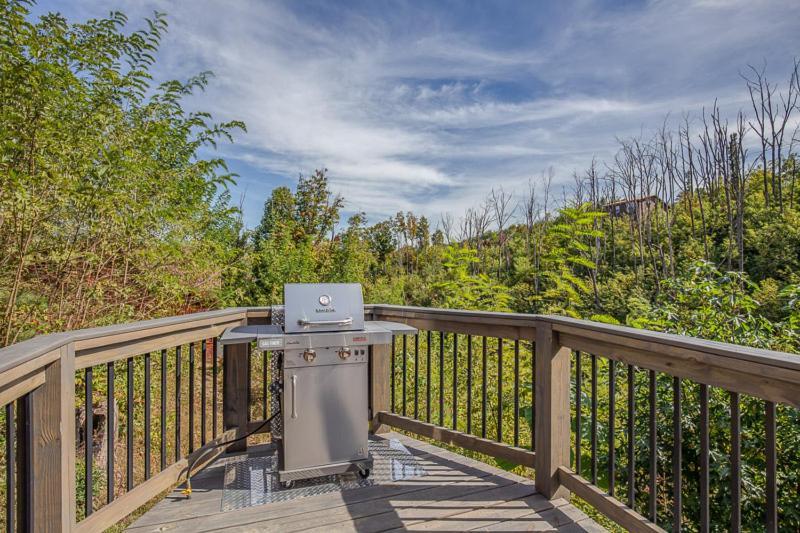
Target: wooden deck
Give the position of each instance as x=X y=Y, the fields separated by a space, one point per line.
x=458 y=494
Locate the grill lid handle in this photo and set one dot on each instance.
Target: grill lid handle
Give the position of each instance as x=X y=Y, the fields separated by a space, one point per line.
x=344 y=322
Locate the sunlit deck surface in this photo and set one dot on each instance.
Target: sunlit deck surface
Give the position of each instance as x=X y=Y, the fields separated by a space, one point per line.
x=457 y=494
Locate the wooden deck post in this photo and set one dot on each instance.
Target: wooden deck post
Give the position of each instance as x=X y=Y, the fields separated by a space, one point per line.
x=46 y=466
x=67 y=402
x=236 y=370
x=552 y=428
x=379 y=369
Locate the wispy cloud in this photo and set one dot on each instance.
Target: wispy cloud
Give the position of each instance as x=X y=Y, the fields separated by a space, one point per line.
x=427 y=106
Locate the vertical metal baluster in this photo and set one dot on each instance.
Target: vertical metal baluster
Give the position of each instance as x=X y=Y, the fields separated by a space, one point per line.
x=593 y=436
x=392 y=378
x=677 y=455
x=516 y=392
x=129 y=424
x=11 y=504
x=428 y=381
x=469 y=383
x=163 y=422
x=177 y=403
x=499 y=390
x=441 y=378
x=405 y=379
x=89 y=446
x=578 y=401
x=612 y=424
x=455 y=380
x=772 y=484
x=736 y=467
x=214 y=377
x=416 y=376
x=533 y=396
x=265 y=381
x=191 y=397
x=25 y=481
x=110 y=477
x=203 y=399
x=147 y=416
x=631 y=436
x=705 y=521
x=653 y=451
x=485 y=376
x=249 y=379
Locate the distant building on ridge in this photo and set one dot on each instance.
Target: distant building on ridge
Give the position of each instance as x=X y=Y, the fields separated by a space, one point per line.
x=634 y=206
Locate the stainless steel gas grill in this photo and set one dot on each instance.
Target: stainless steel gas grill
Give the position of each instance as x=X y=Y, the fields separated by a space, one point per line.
x=322 y=344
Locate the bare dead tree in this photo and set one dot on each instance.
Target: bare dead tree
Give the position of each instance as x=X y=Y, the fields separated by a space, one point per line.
x=669 y=184
x=579 y=189
x=772 y=114
x=738 y=159
x=757 y=87
x=794 y=141
x=465 y=228
x=503 y=209
x=592 y=181
x=532 y=210
x=446 y=222
x=482 y=219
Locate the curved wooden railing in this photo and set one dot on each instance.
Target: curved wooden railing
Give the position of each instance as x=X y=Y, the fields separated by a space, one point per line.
x=448 y=383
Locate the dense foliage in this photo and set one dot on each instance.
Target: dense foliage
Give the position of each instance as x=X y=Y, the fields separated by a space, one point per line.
x=107 y=211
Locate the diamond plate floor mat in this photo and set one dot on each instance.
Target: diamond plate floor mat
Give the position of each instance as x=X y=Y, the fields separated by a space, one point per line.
x=254 y=480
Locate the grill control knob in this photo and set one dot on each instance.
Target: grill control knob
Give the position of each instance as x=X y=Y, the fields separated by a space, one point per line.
x=309 y=355
x=344 y=353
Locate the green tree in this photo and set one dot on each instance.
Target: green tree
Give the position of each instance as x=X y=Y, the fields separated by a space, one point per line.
x=108 y=210
x=279 y=216
x=458 y=288
x=568 y=261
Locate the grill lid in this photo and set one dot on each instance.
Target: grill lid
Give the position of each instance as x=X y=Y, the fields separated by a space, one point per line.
x=313 y=307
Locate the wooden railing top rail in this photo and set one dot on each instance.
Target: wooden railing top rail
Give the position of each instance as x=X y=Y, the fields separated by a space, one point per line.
x=602 y=331
x=459 y=314
x=598 y=331
x=586 y=334
x=40 y=346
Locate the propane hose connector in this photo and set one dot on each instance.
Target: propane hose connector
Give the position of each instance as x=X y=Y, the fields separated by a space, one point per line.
x=188 y=490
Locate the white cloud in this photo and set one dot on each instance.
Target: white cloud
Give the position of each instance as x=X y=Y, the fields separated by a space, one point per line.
x=413 y=112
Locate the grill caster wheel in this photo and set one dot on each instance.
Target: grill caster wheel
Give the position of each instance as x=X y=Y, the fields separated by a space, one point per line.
x=287 y=484
x=363 y=474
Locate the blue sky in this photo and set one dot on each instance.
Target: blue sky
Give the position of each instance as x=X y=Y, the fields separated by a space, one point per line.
x=426 y=106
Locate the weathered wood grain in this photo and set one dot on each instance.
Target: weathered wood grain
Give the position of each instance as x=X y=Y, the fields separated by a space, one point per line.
x=499 y=450
x=16 y=389
x=236 y=382
x=762 y=381
x=67 y=423
x=610 y=507
x=46 y=453
x=116 y=352
x=551 y=430
x=379 y=387
x=508 y=326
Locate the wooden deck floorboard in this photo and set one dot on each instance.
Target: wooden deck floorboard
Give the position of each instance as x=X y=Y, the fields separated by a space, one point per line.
x=458 y=494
